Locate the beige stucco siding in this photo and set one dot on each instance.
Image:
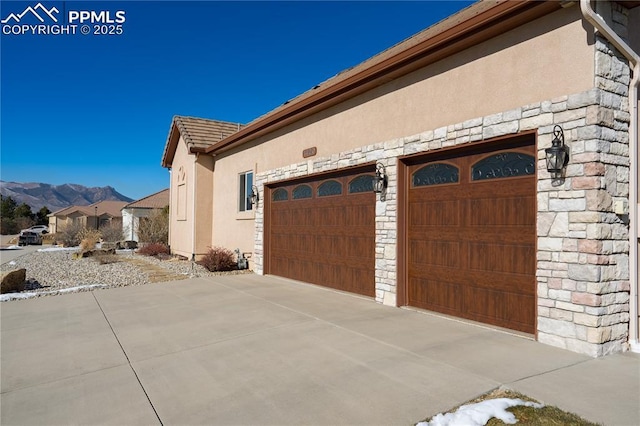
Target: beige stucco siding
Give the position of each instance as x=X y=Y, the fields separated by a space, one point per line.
x=550 y=57
x=203 y=203
x=181 y=212
x=191 y=202
x=231 y=228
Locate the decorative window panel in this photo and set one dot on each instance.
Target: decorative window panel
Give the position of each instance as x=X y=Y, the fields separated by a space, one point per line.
x=301 y=191
x=182 y=202
x=362 y=183
x=436 y=174
x=328 y=188
x=280 y=194
x=503 y=165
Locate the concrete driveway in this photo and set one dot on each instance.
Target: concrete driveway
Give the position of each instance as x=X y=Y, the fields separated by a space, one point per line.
x=7 y=255
x=248 y=349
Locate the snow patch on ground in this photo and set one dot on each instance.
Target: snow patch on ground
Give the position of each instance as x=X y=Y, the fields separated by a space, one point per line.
x=480 y=413
x=13 y=247
x=28 y=295
x=58 y=249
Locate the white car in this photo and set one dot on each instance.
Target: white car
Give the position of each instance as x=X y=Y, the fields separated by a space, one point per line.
x=38 y=229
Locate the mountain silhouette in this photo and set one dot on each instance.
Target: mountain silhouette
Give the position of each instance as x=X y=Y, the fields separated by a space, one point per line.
x=56 y=197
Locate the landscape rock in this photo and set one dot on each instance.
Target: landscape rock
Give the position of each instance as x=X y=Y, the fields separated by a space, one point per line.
x=107 y=245
x=96 y=252
x=13 y=281
x=128 y=245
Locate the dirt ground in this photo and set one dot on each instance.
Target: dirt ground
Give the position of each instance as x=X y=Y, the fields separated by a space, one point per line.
x=6 y=239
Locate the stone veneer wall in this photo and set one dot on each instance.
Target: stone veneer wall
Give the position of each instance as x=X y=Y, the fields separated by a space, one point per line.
x=582 y=254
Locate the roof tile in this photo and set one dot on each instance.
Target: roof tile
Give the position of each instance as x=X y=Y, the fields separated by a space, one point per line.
x=158 y=200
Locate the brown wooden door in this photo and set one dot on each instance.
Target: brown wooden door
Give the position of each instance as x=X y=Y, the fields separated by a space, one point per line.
x=323 y=232
x=471 y=223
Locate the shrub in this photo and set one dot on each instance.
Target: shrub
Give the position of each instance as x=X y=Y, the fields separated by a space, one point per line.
x=70 y=236
x=218 y=259
x=88 y=234
x=155 y=227
x=87 y=244
x=111 y=233
x=154 y=249
x=88 y=239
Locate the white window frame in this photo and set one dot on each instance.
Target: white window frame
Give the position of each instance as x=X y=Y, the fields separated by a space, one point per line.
x=245 y=185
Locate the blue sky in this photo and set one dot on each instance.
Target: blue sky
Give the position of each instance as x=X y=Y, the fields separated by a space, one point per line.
x=95 y=110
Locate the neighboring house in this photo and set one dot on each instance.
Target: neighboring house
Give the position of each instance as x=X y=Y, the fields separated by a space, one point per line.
x=96 y=215
x=136 y=211
x=455 y=123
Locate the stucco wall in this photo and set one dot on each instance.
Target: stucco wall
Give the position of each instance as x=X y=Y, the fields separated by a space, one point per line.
x=181 y=221
x=545 y=59
x=129 y=225
x=191 y=202
x=131 y=222
x=203 y=203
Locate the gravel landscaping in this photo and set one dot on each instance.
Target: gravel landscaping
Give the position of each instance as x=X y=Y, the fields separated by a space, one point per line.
x=53 y=272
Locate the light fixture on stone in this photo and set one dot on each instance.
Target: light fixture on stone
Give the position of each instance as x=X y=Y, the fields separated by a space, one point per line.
x=254 y=195
x=557 y=155
x=381 y=181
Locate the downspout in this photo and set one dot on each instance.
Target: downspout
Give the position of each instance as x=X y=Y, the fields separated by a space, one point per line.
x=596 y=20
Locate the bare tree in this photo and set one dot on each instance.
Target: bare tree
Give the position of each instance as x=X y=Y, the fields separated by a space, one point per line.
x=112 y=232
x=155 y=227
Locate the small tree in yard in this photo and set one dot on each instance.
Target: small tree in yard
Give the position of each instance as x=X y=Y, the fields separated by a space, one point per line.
x=71 y=235
x=155 y=227
x=218 y=259
x=112 y=233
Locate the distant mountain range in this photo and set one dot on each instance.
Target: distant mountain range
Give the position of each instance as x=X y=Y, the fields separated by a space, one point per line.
x=56 y=197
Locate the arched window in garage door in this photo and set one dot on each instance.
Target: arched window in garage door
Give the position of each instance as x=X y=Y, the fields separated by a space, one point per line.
x=362 y=183
x=301 y=191
x=436 y=174
x=329 y=188
x=280 y=194
x=503 y=165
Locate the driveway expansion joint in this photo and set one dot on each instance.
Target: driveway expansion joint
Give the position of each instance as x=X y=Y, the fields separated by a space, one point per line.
x=128 y=360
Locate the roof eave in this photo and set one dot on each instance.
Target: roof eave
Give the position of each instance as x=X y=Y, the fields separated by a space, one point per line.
x=171 y=145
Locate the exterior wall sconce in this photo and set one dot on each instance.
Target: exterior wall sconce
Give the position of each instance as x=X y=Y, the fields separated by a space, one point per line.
x=381 y=181
x=557 y=155
x=254 y=195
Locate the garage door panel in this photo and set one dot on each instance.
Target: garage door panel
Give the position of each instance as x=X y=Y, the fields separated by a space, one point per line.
x=359 y=214
x=436 y=213
x=425 y=253
x=286 y=242
x=500 y=308
x=327 y=238
x=280 y=218
x=437 y=295
x=512 y=211
x=510 y=258
x=471 y=245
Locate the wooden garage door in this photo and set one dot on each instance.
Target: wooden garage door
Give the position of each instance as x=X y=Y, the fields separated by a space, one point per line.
x=471 y=236
x=323 y=232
